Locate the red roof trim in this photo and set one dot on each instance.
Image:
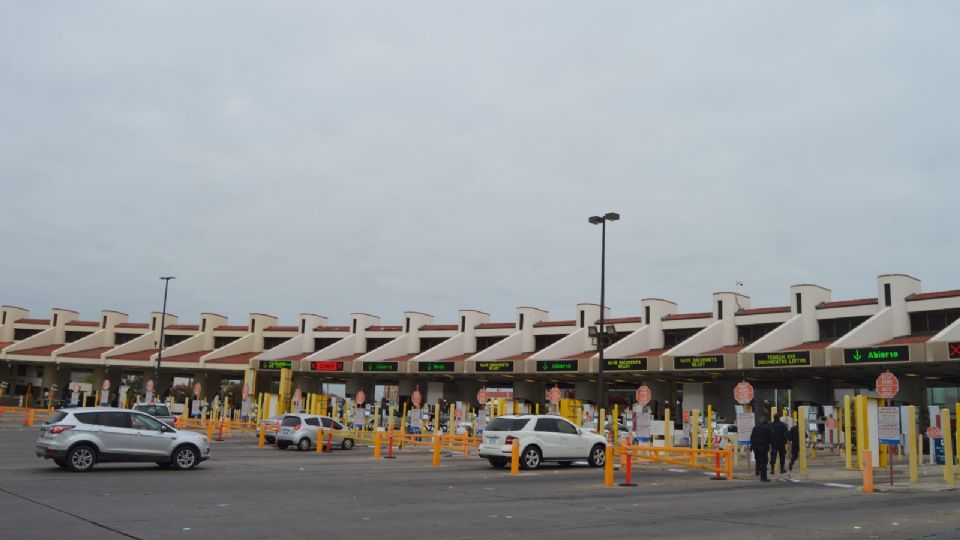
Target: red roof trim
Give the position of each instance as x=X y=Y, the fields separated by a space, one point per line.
x=188 y=358
x=133 y=325
x=495 y=326
x=291 y=328
x=933 y=295
x=183 y=327
x=397 y=328
x=621 y=320
x=83 y=323
x=137 y=355
x=585 y=355
x=46 y=350
x=403 y=358
x=521 y=356
x=242 y=358
x=764 y=310
x=32 y=321
x=907 y=340
x=89 y=353
x=230 y=328
x=546 y=324
x=847 y=303
x=686 y=316
x=731 y=349
x=809 y=346
x=440 y=327
x=322 y=328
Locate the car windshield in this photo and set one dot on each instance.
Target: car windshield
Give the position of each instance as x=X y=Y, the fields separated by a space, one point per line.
x=507 y=424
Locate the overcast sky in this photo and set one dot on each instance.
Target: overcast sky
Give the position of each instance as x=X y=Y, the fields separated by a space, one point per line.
x=332 y=157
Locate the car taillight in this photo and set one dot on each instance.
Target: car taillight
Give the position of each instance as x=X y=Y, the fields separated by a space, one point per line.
x=296 y=427
x=509 y=439
x=56 y=430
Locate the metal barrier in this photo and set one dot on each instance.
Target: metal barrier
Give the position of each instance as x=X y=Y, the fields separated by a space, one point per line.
x=716 y=461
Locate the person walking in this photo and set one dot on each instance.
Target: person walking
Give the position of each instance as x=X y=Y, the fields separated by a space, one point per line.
x=794 y=444
x=760 y=439
x=778 y=446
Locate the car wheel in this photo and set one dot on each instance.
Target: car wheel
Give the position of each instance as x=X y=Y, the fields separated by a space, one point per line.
x=185 y=458
x=498 y=462
x=565 y=463
x=531 y=458
x=61 y=463
x=598 y=456
x=283 y=445
x=303 y=445
x=81 y=458
x=347 y=444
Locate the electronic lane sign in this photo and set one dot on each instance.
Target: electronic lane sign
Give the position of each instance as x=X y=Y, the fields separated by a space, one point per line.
x=494 y=366
x=435 y=367
x=953 y=350
x=381 y=367
x=874 y=355
x=624 y=364
x=698 y=362
x=781 y=359
x=557 y=365
x=321 y=365
x=275 y=364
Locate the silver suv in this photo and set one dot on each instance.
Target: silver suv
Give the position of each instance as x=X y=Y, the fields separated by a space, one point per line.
x=76 y=439
x=301 y=430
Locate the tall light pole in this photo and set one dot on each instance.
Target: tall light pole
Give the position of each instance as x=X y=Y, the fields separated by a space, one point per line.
x=601 y=332
x=163 y=321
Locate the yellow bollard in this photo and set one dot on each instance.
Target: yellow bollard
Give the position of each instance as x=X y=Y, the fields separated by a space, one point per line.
x=847 y=433
x=615 y=424
x=537 y=409
x=263 y=436
x=695 y=429
x=452 y=420
x=947 y=447
x=912 y=440
x=667 y=429
x=956 y=447
x=608 y=467
x=320 y=439
x=403 y=423
x=867 y=472
x=376 y=445
x=709 y=423
x=376 y=417
x=514 y=458
x=602 y=423
x=860 y=410
x=436 y=418
x=33 y=412
x=436 y=449
x=210 y=431
x=802 y=431
x=393 y=410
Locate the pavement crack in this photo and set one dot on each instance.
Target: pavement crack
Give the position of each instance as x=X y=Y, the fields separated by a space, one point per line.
x=71 y=514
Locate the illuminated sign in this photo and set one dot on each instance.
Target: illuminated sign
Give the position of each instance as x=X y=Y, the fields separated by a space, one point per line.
x=953 y=350
x=873 y=355
x=624 y=364
x=380 y=366
x=698 y=362
x=275 y=364
x=557 y=365
x=782 y=359
x=494 y=367
x=326 y=366
x=435 y=367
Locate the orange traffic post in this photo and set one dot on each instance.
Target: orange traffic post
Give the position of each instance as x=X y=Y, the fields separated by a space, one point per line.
x=376 y=445
x=608 y=467
x=210 y=431
x=867 y=472
x=436 y=450
x=515 y=457
x=319 y=440
x=390 y=446
x=729 y=458
x=220 y=431
x=263 y=436
x=330 y=441
x=629 y=467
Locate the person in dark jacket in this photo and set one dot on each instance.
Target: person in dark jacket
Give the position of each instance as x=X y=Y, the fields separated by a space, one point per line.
x=760 y=439
x=794 y=444
x=778 y=445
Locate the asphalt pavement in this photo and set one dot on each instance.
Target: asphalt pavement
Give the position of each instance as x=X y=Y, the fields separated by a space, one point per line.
x=248 y=492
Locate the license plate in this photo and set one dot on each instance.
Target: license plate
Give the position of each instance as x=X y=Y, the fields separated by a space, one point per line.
x=285 y=430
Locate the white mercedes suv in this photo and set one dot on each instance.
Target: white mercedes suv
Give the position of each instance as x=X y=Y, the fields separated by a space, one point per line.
x=542 y=438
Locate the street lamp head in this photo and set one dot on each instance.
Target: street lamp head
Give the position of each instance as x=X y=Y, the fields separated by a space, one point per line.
x=596 y=220
x=167 y=278
x=611 y=216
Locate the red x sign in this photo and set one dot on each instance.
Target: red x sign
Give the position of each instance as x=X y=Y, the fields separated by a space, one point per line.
x=954 y=349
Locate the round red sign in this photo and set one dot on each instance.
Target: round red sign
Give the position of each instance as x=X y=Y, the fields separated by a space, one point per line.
x=416 y=398
x=887 y=385
x=554 y=395
x=361 y=397
x=643 y=395
x=743 y=393
x=482 y=396
x=933 y=432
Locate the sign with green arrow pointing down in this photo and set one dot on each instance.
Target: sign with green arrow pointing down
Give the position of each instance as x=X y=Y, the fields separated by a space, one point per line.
x=876 y=355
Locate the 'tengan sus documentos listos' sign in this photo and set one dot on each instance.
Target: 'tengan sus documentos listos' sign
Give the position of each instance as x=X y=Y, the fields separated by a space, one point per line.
x=781 y=359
